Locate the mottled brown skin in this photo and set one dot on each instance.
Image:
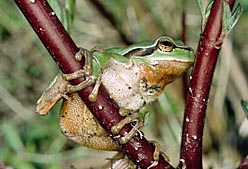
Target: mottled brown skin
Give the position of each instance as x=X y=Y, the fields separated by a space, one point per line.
x=76 y=120
x=52 y=95
x=78 y=124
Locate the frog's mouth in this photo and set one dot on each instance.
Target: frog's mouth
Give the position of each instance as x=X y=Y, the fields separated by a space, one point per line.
x=171 y=64
x=164 y=71
x=182 y=62
x=176 y=66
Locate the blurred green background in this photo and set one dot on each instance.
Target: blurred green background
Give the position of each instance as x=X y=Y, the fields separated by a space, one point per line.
x=29 y=141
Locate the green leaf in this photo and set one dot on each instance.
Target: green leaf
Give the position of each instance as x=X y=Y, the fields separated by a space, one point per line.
x=227 y=13
x=205 y=11
x=144 y=113
x=208 y=9
x=234 y=17
x=201 y=7
x=229 y=18
x=70 y=8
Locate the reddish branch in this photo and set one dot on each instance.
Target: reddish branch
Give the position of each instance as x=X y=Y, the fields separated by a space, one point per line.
x=244 y=163
x=197 y=99
x=61 y=47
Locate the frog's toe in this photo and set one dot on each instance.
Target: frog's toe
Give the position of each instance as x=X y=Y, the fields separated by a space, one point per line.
x=156 y=154
x=131 y=118
x=89 y=80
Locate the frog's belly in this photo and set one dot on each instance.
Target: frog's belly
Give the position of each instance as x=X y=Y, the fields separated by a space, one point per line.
x=122 y=83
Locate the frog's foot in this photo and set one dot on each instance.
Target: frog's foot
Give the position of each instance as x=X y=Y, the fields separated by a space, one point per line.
x=131 y=118
x=89 y=80
x=156 y=154
x=119 y=161
x=85 y=72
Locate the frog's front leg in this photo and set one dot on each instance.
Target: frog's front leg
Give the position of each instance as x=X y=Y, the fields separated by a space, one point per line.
x=85 y=72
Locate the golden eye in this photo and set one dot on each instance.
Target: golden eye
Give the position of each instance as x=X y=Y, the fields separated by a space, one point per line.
x=165 y=45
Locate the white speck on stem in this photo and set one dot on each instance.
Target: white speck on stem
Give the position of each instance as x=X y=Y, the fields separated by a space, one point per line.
x=198 y=95
x=194 y=137
x=53 y=13
x=32 y=1
x=187 y=139
x=187 y=119
x=100 y=107
x=137 y=146
x=190 y=90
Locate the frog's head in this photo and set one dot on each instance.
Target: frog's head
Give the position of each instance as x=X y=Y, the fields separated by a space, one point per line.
x=162 y=62
x=169 y=59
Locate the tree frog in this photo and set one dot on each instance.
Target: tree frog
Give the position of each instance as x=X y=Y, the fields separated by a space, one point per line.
x=134 y=76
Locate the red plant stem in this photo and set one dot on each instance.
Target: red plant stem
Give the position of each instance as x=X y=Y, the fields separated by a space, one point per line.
x=231 y=3
x=197 y=99
x=62 y=48
x=51 y=33
x=244 y=163
x=207 y=53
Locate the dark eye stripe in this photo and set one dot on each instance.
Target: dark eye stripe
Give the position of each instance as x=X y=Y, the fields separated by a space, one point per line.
x=140 y=52
x=164 y=45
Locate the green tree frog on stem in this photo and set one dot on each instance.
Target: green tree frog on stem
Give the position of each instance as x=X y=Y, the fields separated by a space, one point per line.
x=133 y=76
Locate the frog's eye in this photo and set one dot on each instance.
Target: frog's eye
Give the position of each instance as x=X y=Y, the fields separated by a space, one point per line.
x=165 y=45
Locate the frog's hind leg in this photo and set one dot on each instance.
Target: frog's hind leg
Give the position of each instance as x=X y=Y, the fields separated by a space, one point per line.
x=119 y=161
x=78 y=124
x=134 y=117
